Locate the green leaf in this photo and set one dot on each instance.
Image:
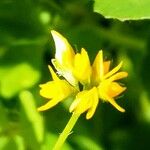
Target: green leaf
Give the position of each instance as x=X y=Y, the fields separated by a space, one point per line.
x=87 y=143
x=20 y=66
x=145 y=105
x=31 y=121
x=4 y=119
x=3 y=141
x=123 y=10
x=14 y=143
x=19 y=142
x=13 y=79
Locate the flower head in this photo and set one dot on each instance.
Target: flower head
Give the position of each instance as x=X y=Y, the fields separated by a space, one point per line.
x=97 y=80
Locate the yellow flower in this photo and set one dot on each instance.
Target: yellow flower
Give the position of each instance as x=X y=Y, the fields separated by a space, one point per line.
x=98 y=83
x=56 y=90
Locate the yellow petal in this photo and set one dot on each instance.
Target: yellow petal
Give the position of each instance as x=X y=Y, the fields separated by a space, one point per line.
x=101 y=64
x=115 y=89
x=103 y=94
x=81 y=103
x=106 y=66
x=48 y=90
x=82 y=68
x=112 y=101
x=118 y=76
x=64 y=52
x=63 y=89
x=110 y=73
x=65 y=72
x=98 y=68
x=85 y=101
x=102 y=89
x=48 y=105
x=56 y=89
x=64 y=58
x=53 y=74
x=74 y=105
x=95 y=101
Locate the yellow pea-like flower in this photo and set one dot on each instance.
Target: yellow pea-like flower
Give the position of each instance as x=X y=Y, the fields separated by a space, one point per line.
x=87 y=84
x=90 y=83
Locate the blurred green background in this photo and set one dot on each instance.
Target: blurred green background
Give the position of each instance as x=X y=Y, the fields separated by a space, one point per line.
x=26 y=48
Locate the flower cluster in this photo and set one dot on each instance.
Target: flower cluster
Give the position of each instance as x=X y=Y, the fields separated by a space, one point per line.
x=89 y=83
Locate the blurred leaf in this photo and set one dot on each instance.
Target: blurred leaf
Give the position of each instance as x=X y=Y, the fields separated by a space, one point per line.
x=13 y=143
x=16 y=78
x=3 y=141
x=50 y=141
x=123 y=10
x=32 y=122
x=3 y=118
x=19 y=142
x=145 y=107
x=84 y=142
x=20 y=65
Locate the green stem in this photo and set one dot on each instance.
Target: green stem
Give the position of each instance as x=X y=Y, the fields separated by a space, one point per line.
x=63 y=136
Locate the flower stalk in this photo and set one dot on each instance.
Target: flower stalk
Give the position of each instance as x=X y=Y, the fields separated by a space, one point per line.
x=66 y=132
